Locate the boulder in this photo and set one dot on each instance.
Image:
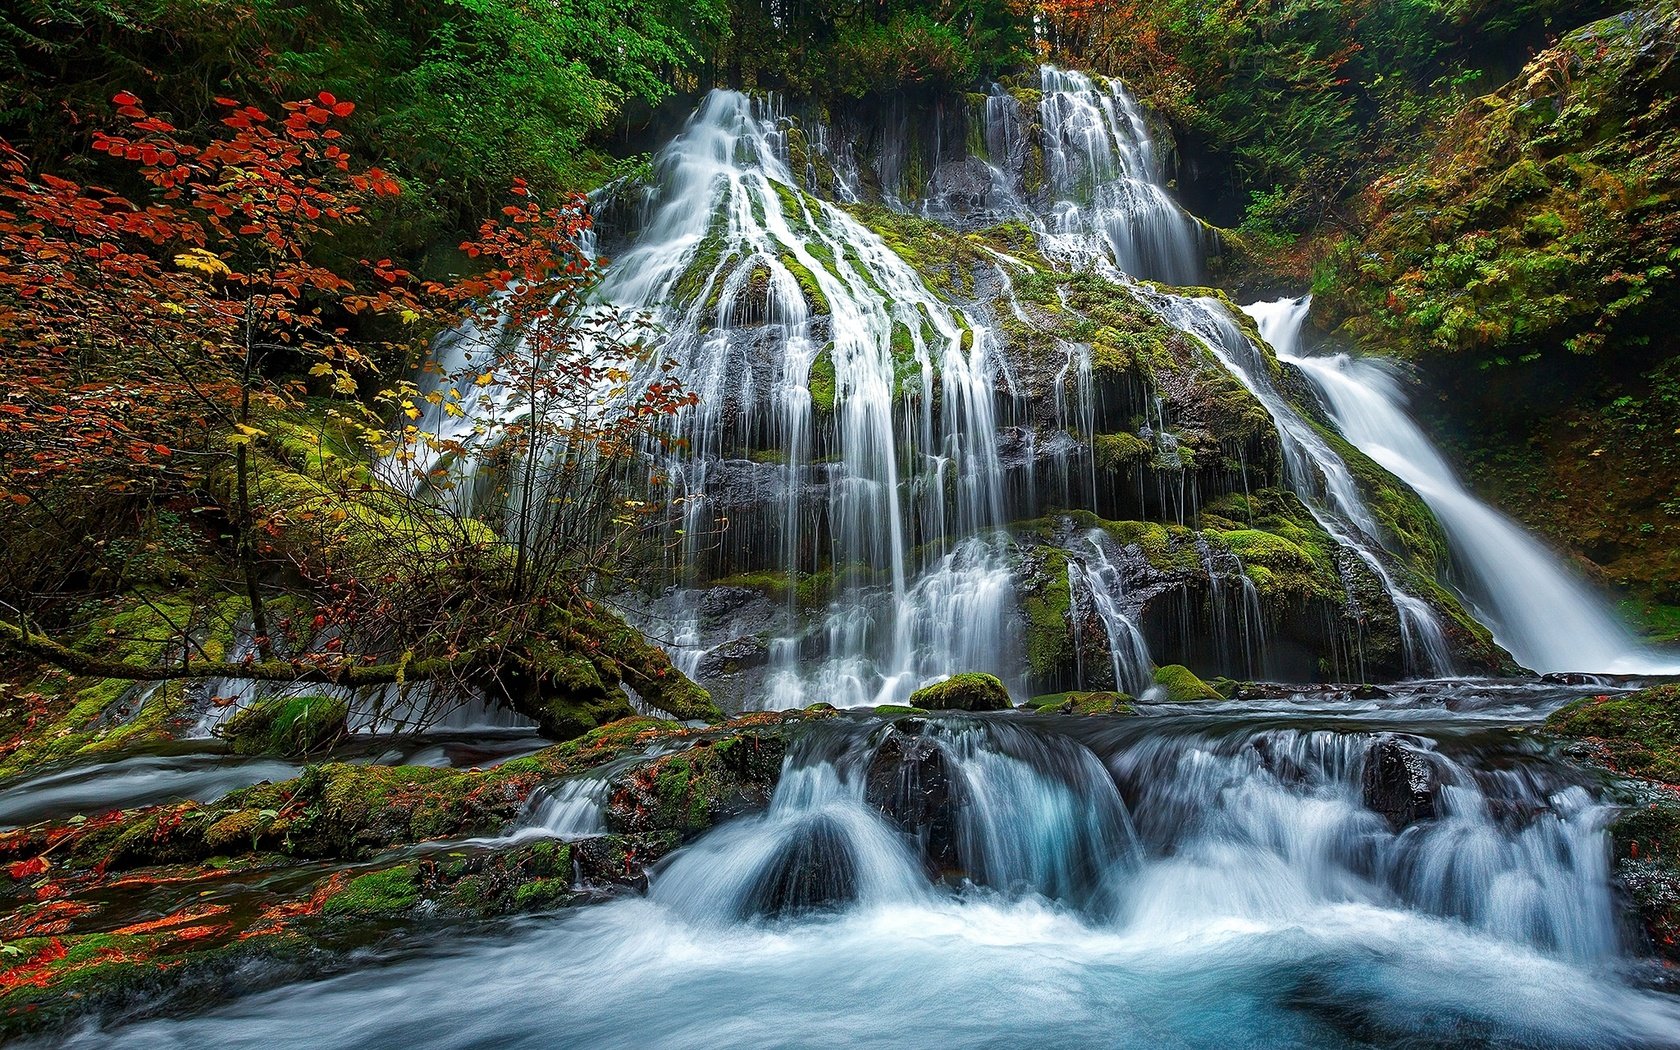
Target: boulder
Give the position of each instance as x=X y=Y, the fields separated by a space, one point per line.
x=814 y=868
x=910 y=781
x=1181 y=685
x=963 y=692
x=1400 y=783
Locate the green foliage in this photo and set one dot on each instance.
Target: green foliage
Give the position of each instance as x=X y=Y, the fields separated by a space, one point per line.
x=288 y=725
x=456 y=98
x=853 y=48
x=1640 y=732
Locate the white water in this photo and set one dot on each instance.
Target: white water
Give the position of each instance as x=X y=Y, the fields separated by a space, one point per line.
x=1317 y=474
x=1165 y=880
x=1545 y=616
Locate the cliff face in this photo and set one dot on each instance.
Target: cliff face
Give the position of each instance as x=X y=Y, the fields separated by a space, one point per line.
x=1528 y=266
x=1000 y=454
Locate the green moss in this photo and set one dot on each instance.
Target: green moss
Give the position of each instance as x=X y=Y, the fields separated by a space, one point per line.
x=969 y=691
x=1181 y=685
x=808 y=285
x=1082 y=703
x=1046 y=600
x=288 y=725
x=379 y=893
x=1117 y=451
x=1640 y=732
x=897 y=710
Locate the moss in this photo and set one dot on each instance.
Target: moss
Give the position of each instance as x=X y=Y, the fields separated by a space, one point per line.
x=1636 y=736
x=808 y=285
x=898 y=710
x=821 y=381
x=1116 y=451
x=963 y=692
x=1640 y=732
x=1047 y=600
x=1180 y=685
x=1082 y=703
x=288 y=725
x=379 y=893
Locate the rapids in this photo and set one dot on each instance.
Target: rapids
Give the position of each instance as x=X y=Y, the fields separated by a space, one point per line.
x=1214 y=876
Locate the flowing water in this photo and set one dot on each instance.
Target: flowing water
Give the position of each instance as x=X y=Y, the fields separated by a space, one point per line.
x=1548 y=618
x=1381 y=868
x=1235 y=875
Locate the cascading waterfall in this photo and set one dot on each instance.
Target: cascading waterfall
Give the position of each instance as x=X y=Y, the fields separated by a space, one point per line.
x=1194 y=879
x=1546 y=618
x=901 y=497
x=1094 y=578
x=1317 y=474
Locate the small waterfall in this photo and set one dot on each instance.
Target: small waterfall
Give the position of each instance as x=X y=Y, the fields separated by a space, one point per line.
x=1103 y=182
x=1316 y=473
x=1211 y=880
x=1095 y=579
x=1545 y=617
x=1276 y=822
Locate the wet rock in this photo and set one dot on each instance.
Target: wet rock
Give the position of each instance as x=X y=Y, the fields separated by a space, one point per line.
x=1400 y=783
x=910 y=781
x=963 y=692
x=961 y=186
x=718 y=603
x=735 y=655
x=814 y=869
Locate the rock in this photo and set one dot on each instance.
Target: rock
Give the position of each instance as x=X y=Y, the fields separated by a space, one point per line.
x=288 y=725
x=1181 y=685
x=813 y=869
x=962 y=185
x=737 y=654
x=910 y=782
x=1400 y=783
x=963 y=692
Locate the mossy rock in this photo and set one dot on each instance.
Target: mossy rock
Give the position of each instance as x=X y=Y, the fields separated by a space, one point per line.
x=970 y=691
x=1180 y=685
x=378 y=893
x=288 y=726
x=1639 y=732
x=1636 y=736
x=1080 y=703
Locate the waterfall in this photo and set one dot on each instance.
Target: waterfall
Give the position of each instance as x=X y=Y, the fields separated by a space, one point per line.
x=1093 y=577
x=1316 y=473
x=1546 y=617
x=894 y=500
x=1199 y=880
x=1103 y=192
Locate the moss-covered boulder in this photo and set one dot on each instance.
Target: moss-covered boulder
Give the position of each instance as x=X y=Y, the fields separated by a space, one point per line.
x=1180 y=685
x=289 y=726
x=1077 y=703
x=1635 y=737
x=963 y=692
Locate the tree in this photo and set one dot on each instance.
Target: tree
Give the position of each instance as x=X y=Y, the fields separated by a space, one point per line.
x=214 y=276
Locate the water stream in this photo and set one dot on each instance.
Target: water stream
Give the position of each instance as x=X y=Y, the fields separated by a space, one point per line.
x=1549 y=619
x=1242 y=875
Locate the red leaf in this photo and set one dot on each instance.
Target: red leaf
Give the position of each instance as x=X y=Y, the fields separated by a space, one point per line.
x=123 y=98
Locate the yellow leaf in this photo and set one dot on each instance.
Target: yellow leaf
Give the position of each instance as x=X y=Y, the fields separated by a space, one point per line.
x=201 y=259
x=321 y=369
x=485 y=380
x=409 y=317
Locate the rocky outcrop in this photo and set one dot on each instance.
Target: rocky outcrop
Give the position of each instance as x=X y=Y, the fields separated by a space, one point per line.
x=1400 y=783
